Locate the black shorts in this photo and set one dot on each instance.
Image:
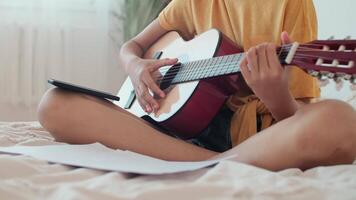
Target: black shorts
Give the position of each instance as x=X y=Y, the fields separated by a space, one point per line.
x=216 y=136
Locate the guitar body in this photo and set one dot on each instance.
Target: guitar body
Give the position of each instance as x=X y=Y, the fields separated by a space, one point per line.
x=188 y=107
x=214 y=60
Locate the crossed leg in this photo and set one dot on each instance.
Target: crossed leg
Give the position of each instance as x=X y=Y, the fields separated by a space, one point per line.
x=322 y=133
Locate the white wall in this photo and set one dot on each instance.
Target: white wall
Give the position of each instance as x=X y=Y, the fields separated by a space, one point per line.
x=63 y=39
x=337 y=18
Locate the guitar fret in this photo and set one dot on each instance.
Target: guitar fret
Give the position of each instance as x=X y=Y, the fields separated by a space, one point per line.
x=199 y=70
x=230 y=60
x=206 y=68
x=213 y=72
x=180 y=75
x=196 y=70
x=213 y=63
x=192 y=70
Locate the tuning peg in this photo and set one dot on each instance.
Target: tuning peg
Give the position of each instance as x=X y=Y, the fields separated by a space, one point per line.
x=324 y=77
x=347 y=77
x=353 y=80
x=330 y=75
x=313 y=73
x=353 y=83
x=343 y=76
x=338 y=77
x=353 y=87
x=323 y=74
x=338 y=84
x=327 y=74
x=323 y=82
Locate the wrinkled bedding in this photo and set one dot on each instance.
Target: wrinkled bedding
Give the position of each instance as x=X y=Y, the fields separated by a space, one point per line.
x=23 y=177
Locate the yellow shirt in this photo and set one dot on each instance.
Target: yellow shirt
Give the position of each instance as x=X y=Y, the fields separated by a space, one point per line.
x=248 y=23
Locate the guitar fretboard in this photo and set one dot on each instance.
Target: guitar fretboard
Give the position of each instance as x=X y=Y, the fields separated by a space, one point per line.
x=202 y=69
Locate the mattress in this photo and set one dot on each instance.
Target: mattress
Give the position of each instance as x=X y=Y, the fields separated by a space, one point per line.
x=23 y=177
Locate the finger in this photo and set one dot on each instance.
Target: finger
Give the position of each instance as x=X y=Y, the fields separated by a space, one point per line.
x=147 y=99
x=164 y=62
x=157 y=76
x=273 y=61
x=252 y=62
x=152 y=103
x=153 y=86
x=285 y=38
x=144 y=105
x=262 y=58
x=245 y=71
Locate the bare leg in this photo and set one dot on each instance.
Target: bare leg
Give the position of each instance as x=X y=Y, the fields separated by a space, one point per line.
x=318 y=134
x=322 y=133
x=76 y=118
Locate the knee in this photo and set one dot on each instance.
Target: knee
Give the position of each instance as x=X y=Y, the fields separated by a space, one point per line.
x=329 y=131
x=327 y=109
x=53 y=109
x=330 y=113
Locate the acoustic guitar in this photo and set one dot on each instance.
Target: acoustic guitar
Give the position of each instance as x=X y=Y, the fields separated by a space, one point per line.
x=196 y=87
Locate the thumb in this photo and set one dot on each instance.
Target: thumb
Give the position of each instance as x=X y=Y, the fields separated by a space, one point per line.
x=285 y=38
x=164 y=62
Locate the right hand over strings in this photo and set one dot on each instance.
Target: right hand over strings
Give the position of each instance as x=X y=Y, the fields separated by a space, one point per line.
x=143 y=75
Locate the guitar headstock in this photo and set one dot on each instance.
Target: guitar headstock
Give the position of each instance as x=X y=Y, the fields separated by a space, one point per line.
x=332 y=59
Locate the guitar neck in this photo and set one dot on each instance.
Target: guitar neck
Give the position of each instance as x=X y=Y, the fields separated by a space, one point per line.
x=208 y=68
x=334 y=59
x=213 y=67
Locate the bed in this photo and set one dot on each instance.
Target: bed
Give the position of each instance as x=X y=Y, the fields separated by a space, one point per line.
x=23 y=177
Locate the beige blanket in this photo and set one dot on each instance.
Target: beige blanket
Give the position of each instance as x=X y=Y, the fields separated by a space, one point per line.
x=23 y=177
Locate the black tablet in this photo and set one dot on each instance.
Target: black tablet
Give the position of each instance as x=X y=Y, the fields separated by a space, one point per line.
x=84 y=90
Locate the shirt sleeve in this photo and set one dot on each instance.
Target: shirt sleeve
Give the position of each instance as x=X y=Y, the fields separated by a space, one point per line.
x=177 y=16
x=301 y=24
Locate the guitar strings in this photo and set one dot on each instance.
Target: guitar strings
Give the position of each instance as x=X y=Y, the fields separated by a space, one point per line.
x=194 y=65
x=220 y=69
x=286 y=47
x=234 y=61
x=170 y=78
x=165 y=69
x=200 y=70
x=208 y=69
x=296 y=56
x=214 y=57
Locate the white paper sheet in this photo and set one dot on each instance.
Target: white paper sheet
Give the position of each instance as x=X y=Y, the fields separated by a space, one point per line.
x=98 y=156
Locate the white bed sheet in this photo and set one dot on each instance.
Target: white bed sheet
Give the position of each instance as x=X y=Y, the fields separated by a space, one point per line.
x=23 y=177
